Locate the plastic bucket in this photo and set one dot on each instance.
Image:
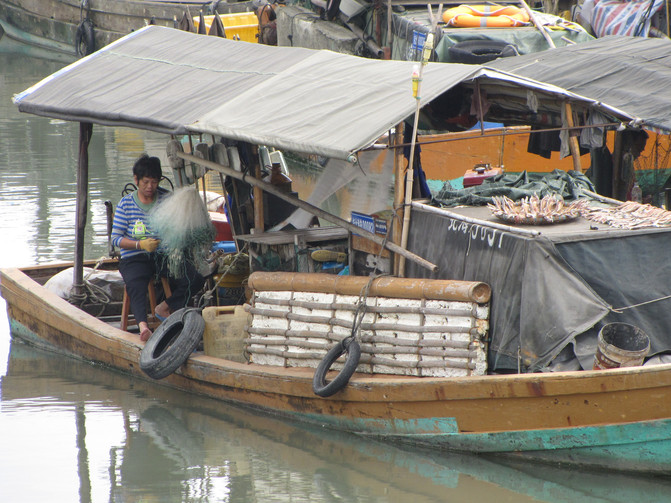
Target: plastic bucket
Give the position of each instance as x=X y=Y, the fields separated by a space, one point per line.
x=620 y=345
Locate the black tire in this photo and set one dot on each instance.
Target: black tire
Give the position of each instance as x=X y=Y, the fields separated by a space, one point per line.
x=479 y=51
x=319 y=384
x=84 y=38
x=172 y=343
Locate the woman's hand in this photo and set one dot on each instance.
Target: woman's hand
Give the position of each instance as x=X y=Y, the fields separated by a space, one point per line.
x=149 y=244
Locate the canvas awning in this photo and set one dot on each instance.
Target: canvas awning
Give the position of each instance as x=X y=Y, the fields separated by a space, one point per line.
x=629 y=73
x=303 y=100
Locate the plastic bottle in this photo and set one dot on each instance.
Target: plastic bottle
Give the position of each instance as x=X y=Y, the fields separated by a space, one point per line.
x=415 y=81
x=636 y=193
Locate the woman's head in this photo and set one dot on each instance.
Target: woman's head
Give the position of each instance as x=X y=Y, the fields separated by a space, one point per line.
x=147 y=173
x=147 y=167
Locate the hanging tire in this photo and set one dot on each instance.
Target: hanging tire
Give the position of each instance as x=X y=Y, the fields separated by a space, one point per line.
x=172 y=343
x=319 y=384
x=84 y=38
x=479 y=51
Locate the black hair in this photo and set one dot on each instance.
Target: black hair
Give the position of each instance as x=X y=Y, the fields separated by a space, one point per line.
x=149 y=167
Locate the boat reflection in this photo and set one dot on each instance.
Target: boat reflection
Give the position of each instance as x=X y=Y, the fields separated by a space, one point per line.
x=171 y=446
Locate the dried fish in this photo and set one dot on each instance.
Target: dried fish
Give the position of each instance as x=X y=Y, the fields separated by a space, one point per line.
x=630 y=215
x=535 y=211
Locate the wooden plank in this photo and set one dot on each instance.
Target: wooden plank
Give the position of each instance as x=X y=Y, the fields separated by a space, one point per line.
x=310 y=235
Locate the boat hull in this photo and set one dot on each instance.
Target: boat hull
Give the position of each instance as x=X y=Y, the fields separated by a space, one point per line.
x=620 y=418
x=52 y=24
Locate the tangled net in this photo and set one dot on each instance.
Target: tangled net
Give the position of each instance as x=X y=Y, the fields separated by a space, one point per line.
x=185 y=229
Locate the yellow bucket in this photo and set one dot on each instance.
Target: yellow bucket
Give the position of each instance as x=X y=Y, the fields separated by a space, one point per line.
x=242 y=25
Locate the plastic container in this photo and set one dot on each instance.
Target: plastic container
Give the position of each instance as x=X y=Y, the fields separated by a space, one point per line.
x=221 y=226
x=225 y=246
x=621 y=345
x=636 y=193
x=230 y=290
x=244 y=25
x=479 y=173
x=224 y=335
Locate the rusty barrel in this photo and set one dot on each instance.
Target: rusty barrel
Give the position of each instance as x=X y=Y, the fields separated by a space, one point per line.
x=620 y=345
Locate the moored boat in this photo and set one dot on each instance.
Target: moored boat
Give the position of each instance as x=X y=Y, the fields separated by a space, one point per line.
x=78 y=28
x=614 y=418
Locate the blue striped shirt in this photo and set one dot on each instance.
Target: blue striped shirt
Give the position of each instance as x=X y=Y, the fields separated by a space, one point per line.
x=131 y=220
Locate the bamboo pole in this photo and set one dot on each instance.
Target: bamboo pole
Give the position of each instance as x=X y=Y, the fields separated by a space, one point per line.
x=259 y=223
x=399 y=161
x=426 y=53
x=572 y=138
x=311 y=209
x=617 y=164
x=540 y=28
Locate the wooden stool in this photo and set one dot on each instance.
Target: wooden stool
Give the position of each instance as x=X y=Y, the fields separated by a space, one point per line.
x=152 y=321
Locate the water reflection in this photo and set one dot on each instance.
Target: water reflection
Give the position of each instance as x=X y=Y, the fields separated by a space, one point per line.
x=132 y=440
x=38 y=158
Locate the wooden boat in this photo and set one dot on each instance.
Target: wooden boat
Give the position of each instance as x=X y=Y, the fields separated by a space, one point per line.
x=58 y=25
x=616 y=418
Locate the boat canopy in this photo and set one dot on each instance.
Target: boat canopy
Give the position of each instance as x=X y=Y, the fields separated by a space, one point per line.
x=303 y=100
x=629 y=73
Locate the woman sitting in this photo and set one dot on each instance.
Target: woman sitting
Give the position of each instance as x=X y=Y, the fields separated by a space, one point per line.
x=141 y=258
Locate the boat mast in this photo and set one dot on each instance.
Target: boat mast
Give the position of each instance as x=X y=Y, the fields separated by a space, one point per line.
x=85 y=131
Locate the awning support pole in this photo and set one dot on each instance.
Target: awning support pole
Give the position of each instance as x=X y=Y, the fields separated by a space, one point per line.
x=426 y=54
x=572 y=138
x=399 y=161
x=85 y=131
x=259 y=222
x=299 y=203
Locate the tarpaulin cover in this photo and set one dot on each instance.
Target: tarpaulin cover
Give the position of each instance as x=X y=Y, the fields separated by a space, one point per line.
x=516 y=186
x=550 y=287
x=302 y=100
x=410 y=29
x=630 y=18
x=298 y=99
x=631 y=74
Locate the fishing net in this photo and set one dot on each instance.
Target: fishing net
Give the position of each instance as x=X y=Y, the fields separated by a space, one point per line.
x=185 y=229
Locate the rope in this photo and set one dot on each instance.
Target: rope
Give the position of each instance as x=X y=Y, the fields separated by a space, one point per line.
x=209 y=294
x=620 y=309
x=362 y=302
x=94 y=294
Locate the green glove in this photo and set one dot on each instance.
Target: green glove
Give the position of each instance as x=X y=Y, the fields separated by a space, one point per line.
x=149 y=244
